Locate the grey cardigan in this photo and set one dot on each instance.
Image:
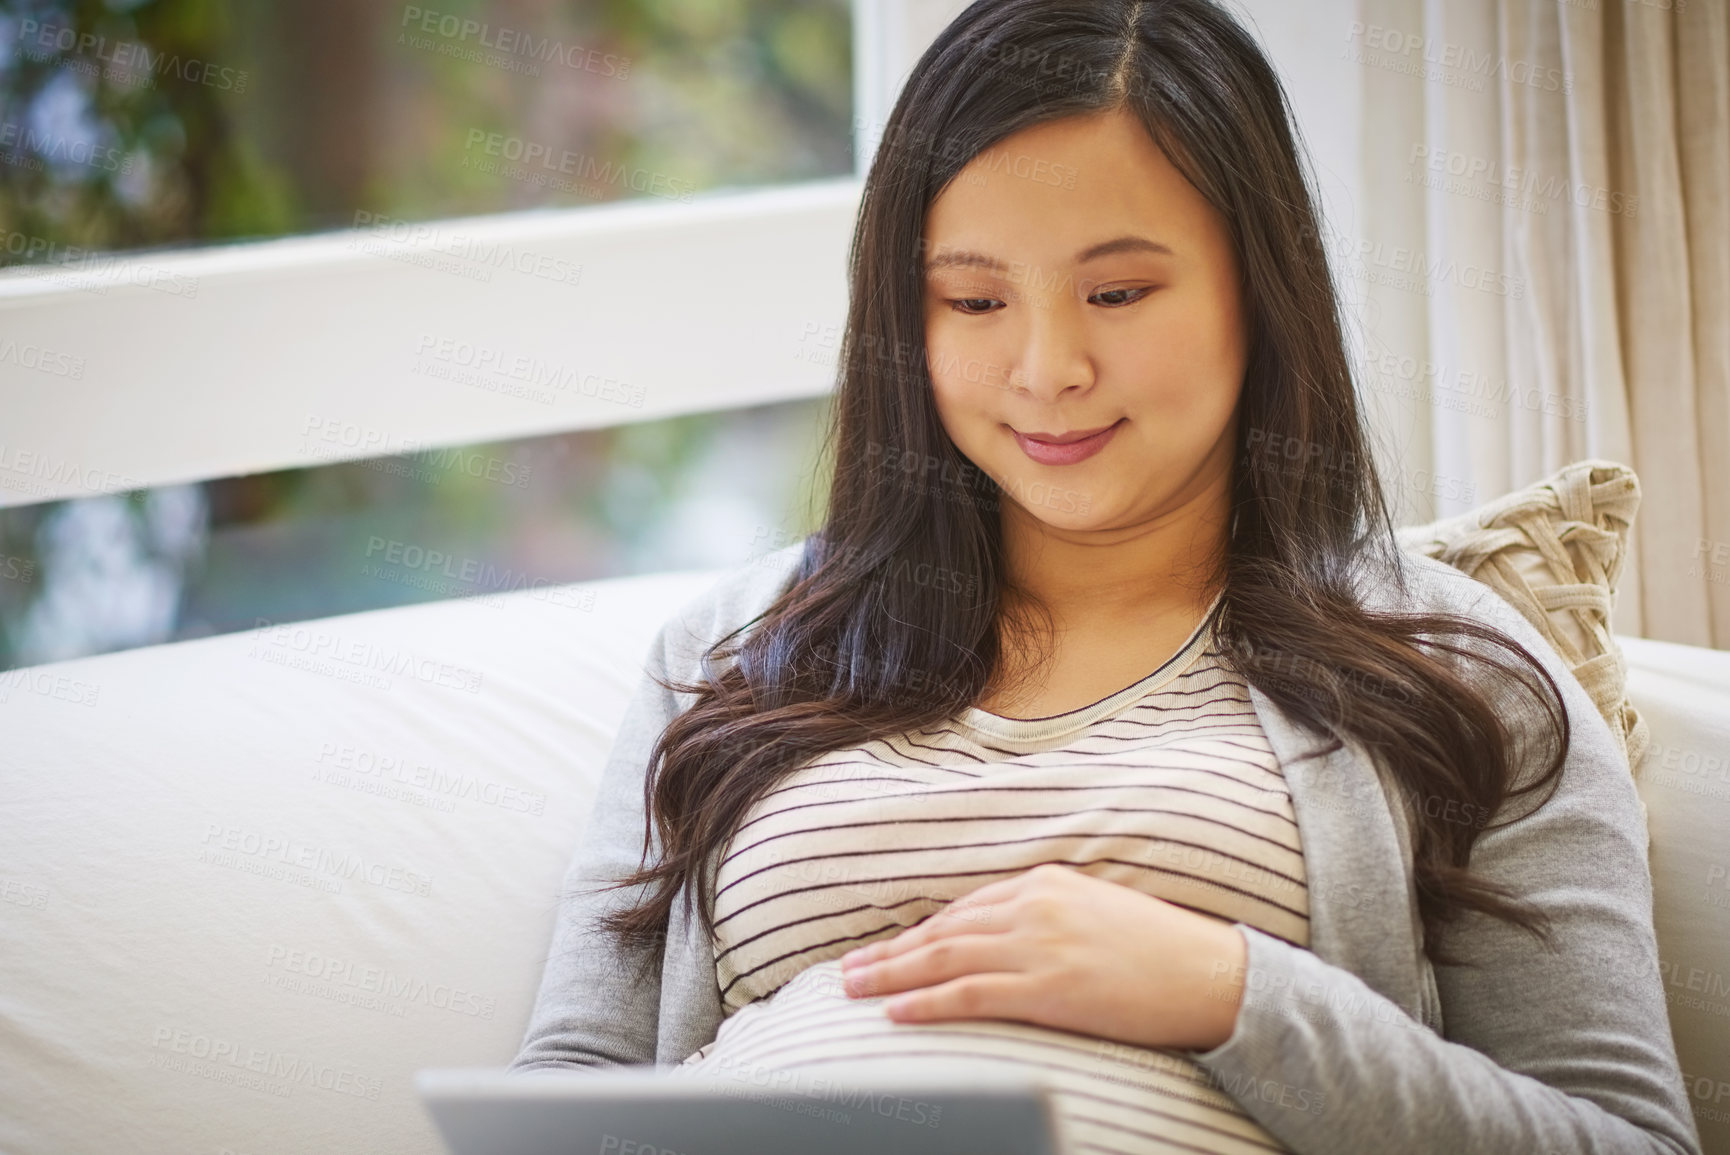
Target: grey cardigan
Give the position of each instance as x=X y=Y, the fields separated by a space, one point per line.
x=1530 y=1051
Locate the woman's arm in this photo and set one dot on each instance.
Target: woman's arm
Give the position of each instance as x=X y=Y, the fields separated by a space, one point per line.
x=599 y=1005
x=1546 y=1051
x=593 y=1009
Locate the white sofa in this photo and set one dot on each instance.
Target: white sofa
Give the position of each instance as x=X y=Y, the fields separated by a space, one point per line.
x=252 y=883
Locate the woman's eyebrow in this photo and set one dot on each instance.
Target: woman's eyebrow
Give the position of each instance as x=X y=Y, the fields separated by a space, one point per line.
x=1124 y=244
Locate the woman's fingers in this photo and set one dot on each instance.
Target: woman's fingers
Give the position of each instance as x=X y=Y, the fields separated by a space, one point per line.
x=994 y=995
x=934 y=962
x=1065 y=949
x=977 y=912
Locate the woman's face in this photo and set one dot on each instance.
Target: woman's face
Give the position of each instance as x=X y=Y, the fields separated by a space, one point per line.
x=1075 y=280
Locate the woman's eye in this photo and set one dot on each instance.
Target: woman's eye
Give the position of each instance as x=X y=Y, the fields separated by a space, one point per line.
x=1116 y=298
x=973 y=306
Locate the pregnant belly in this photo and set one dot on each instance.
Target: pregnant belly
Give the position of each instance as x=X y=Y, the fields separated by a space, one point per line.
x=1108 y=1096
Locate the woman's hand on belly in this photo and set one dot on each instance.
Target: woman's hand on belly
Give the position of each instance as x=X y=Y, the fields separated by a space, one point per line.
x=1064 y=949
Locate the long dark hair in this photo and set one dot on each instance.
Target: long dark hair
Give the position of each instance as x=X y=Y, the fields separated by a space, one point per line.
x=891 y=618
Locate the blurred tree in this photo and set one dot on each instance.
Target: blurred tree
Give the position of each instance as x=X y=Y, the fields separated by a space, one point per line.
x=139 y=124
x=120 y=130
x=201 y=121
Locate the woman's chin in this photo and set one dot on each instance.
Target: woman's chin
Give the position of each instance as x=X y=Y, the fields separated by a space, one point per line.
x=1078 y=520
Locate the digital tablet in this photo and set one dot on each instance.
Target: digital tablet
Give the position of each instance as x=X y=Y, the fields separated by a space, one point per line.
x=920 y=1109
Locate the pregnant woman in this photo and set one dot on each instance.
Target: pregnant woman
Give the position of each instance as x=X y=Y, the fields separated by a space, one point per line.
x=1101 y=730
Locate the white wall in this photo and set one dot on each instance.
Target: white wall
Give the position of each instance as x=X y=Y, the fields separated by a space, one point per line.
x=1306 y=40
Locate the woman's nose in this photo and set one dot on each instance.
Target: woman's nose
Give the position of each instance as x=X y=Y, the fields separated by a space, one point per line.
x=1054 y=353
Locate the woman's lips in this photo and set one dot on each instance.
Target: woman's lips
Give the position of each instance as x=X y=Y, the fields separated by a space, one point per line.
x=1047 y=453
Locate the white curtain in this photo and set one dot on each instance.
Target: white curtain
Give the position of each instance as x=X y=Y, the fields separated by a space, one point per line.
x=1544 y=263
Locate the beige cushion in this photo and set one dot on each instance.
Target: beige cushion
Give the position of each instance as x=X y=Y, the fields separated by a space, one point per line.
x=1554 y=550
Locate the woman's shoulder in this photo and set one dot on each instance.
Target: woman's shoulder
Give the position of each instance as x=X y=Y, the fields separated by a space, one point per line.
x=736 y=597
x=1430 y=586
x=1412 y=583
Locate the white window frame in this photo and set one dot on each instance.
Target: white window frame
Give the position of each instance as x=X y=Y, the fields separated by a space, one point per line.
x=182 y=365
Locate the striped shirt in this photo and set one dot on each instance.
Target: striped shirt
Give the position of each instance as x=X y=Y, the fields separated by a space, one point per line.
x=1168 y=786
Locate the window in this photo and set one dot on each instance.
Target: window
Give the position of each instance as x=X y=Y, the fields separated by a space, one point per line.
x=135 y=142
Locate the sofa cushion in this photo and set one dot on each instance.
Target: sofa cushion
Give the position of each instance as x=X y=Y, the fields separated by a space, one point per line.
x=1554 y=550
x=1683 y=692
x=252 y=883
